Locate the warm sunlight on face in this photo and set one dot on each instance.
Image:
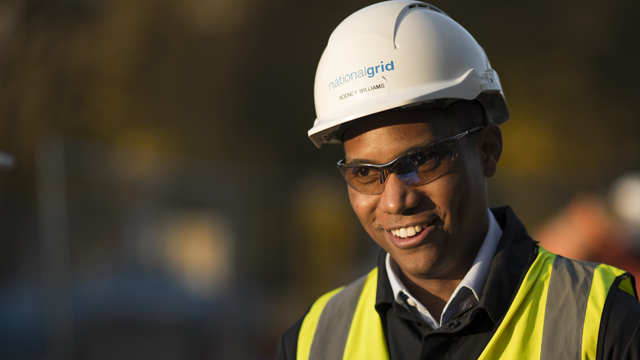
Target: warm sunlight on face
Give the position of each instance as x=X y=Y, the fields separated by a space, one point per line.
x=432 y=230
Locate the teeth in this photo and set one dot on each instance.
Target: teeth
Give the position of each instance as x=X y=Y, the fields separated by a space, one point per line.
x=408 y=231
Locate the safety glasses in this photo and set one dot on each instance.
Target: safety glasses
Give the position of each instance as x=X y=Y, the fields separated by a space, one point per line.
x=414 y=168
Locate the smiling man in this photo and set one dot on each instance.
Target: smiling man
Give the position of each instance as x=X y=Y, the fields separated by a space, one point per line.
x=454 y=280
x=431 y=233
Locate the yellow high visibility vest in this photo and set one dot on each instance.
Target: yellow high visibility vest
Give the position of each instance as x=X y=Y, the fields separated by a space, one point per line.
x=555 y=314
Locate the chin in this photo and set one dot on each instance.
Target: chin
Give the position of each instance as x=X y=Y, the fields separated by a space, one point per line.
x=418 y=264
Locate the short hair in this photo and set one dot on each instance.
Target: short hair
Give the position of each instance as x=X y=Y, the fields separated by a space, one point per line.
x=467 y=114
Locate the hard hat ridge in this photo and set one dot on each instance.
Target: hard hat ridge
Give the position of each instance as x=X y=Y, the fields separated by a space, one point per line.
x=397 y=54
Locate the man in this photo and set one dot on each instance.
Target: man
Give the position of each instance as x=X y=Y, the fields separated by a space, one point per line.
x=415 y=103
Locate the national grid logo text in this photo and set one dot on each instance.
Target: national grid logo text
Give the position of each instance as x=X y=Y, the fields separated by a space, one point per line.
x=366 y=71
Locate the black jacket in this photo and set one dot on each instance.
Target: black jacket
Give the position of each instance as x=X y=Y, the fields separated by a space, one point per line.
x=465 y=336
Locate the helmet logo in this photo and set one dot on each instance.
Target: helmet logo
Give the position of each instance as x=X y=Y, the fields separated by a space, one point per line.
x=365 y=71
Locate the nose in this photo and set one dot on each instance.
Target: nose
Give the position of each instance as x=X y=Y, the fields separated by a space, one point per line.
x=398 y=198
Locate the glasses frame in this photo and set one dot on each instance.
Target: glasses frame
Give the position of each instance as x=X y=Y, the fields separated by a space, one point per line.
x=386 y=169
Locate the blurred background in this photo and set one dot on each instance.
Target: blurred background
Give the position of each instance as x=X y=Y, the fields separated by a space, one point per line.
x=165 y=202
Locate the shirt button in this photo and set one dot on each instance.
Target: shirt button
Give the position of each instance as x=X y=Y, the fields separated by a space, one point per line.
x=411 y=302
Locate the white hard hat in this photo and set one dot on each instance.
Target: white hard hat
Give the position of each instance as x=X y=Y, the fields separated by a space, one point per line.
x=397 y=54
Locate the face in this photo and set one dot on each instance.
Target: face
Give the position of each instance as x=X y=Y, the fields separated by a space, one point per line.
x=448 y=216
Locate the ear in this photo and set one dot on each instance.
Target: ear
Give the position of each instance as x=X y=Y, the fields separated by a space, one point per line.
x=490 y=148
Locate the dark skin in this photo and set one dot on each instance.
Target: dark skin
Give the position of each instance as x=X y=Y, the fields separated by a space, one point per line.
x=452 y=209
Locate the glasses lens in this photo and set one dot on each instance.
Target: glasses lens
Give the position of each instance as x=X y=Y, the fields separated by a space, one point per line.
x=413 y=169
x=422 y=167
x=364 y=179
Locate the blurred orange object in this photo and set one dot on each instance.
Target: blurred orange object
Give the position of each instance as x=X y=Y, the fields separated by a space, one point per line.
x=586 y=230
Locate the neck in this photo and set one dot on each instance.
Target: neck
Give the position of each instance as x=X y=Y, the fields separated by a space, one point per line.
x=432 y=293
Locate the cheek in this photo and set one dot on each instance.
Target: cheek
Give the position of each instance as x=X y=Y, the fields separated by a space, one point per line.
x=363 y=205
x=464 y=195
x=450 y=196
x=365 y=208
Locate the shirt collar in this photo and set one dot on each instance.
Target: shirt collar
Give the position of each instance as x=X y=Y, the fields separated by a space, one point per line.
x=476 y=277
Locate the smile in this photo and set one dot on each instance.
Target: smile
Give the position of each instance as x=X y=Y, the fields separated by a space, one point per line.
x=410 y=231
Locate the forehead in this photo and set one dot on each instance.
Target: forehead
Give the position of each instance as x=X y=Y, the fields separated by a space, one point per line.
x=382 y=137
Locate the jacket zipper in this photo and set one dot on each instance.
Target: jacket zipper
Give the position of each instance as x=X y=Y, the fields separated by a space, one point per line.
x=464 y=311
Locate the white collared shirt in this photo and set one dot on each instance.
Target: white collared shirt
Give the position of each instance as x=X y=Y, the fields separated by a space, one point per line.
x=468 y=291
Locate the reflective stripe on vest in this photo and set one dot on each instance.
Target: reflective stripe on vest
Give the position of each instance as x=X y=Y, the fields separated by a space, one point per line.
x=555 y=314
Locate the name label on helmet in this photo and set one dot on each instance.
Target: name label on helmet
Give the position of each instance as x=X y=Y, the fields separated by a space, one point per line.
x=364 y=72
x=361 y=91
